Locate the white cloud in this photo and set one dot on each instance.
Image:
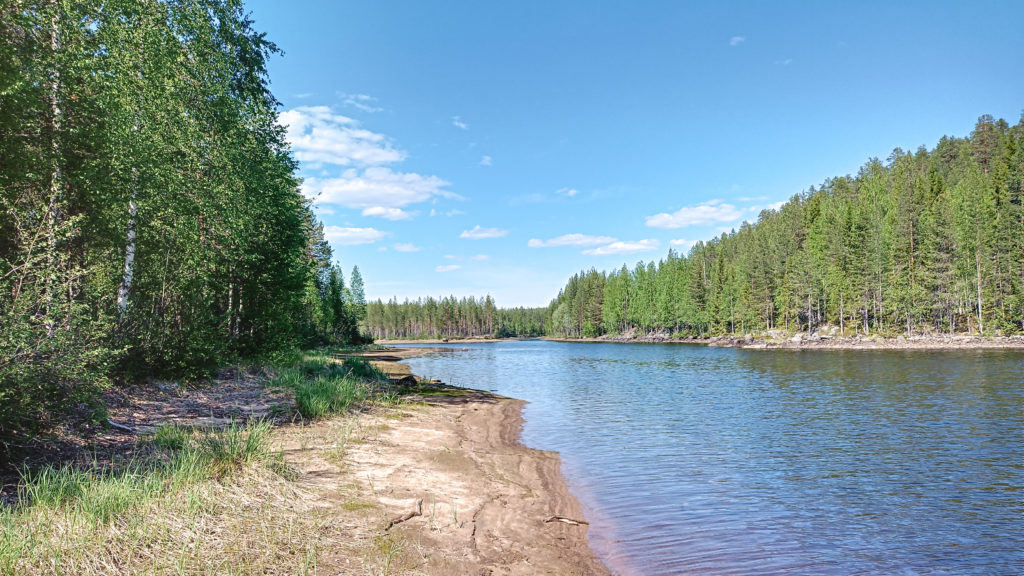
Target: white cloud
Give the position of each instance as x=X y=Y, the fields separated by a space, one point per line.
x=375 y=187
x=478 y=233
x=570 y=192
x=352 y=236
x=362 y=102
x=756 y=209
x=624 y=248
x=406 y=247
x=389 y=213
x=486 y=161
x=317 y=134
x=458 y=123
x=684 y=243
x=705 y=213
x=481 y=257
x=452 y=257
x=785 y=62
x=570 y=240
x=736 y=40
x=451 y=213
x=448 y=268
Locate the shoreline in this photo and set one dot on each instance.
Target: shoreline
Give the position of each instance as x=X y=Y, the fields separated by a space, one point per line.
x=427 y=479
x=819 y=342
x=463 y=448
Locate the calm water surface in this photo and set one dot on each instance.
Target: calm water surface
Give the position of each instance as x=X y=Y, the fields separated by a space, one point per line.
x=719 y=461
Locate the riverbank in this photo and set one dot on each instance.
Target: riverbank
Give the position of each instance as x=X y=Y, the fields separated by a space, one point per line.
x=802 y=341
x=429 y=480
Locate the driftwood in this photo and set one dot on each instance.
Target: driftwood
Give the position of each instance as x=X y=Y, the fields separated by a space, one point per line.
x=565 y=520
x=399 y=519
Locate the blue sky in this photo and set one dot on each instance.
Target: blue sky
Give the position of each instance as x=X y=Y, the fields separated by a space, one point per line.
x=470 y=148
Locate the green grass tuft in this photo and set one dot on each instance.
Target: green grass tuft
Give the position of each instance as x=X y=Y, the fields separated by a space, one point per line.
x=328 y=395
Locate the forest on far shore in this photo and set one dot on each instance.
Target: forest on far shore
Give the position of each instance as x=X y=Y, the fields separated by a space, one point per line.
x=924 y=242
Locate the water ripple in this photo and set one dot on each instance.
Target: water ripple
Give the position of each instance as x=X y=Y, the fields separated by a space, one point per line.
x=694 y=460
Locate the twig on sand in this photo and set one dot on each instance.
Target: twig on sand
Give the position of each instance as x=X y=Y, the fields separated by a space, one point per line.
x=565 y=520
x=399 y=519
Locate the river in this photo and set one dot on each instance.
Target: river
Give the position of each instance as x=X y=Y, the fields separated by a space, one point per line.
x=700 y=460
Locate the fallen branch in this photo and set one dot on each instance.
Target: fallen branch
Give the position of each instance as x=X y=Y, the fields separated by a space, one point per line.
x=565 y=520
x=399 y=519
x=120 y=426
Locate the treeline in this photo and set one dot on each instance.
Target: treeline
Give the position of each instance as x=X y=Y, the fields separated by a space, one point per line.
x=150 y=216
x=451 y=317
x=927 y=241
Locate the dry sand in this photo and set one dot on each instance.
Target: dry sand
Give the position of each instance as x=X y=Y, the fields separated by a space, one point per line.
x=485 y=497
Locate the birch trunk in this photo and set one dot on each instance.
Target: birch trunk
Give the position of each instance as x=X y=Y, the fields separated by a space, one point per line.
x=124 y=290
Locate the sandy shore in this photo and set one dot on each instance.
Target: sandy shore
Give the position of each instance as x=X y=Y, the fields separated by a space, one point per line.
x=487 y=500
x=485 y=497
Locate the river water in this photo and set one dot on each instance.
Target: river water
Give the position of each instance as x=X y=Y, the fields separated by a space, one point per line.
x=700 y=460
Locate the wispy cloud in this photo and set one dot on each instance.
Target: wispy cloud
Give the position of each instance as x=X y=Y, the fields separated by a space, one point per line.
x=459 y=123
x=570 y=192
x=737 y=40
x=447 y=268
x=705 y=213
x=785 y=62
x=486 y=161
x=389 y=213
x=571 y=240
x=352 y=236
x=683 y=243
x=481 y=257
x=363 y=102
x=624 y=248
x=376 y=186
x=406 y=247
x=317 y=134
x=478 y=233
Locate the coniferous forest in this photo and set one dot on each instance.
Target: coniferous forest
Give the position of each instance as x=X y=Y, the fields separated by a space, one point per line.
x=451 y=317
x=924 y=242
x=150 y=215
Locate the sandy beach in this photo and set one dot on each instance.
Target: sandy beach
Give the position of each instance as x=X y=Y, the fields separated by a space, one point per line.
x=482 y=498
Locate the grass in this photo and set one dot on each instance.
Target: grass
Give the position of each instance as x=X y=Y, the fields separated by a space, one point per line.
x=196 y=501
x=325 y=386
x=176 y=511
